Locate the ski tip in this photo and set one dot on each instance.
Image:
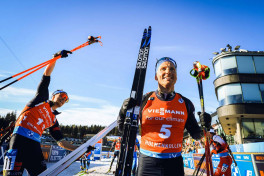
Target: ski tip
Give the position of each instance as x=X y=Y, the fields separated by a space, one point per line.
x=149 y=31
x=145 y=30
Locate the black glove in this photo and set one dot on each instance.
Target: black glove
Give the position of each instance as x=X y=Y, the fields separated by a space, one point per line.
x=92 y=39
x=205 y=119
x=62 y=53
x=90 y=148
x=207 y=72
x=127 y=104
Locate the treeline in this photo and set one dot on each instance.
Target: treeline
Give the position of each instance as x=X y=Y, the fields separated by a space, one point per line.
x=6 y=119
x=72 y=131
x=79 y=131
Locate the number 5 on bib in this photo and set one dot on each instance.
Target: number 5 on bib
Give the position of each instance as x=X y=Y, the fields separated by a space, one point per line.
x=165 y=129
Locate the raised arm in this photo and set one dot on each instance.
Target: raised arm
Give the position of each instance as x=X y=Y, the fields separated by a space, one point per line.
x=50 y=67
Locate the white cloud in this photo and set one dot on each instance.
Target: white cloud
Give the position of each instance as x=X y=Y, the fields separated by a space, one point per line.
x=16 y=95
x=5 y=111
x=75 y=105
x=12 y=91
x=12 y=94
x=103 y=114
x=1 y=75
x=89 y=116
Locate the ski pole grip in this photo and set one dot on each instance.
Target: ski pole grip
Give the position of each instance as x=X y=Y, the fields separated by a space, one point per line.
x=194 y=73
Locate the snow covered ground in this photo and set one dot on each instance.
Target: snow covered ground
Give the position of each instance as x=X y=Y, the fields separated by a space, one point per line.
x=100 y=168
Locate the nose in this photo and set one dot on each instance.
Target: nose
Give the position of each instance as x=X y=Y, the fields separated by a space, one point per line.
x=64 y=99
x=167 y=70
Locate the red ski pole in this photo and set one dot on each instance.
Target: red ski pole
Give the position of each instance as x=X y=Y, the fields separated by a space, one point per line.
x=90 y=41
x=199 y=73
x=44 y=63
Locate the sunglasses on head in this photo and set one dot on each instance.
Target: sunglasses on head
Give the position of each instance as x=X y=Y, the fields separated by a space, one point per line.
x=166 y=59
x=63 y=94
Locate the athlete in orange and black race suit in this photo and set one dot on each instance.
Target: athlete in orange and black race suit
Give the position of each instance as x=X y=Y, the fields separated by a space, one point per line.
x=220 y=147
x=40 y=113
x=164 y=116
x=115 y=145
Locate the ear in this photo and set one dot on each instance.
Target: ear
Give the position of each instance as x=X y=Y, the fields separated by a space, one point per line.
x=52 y=97
x=156 y=78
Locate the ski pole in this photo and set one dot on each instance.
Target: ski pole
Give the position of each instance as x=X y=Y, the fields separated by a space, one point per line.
x=199 y=73
x=229 y=150
x=197 y=168
x=233 y=158
x=90 y=41
x=25 y=71
x=29 y=73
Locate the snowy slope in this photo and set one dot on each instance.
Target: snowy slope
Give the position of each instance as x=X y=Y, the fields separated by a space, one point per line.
x=100 y=167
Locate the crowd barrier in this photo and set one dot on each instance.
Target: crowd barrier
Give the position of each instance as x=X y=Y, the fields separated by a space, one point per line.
x=249 y=164
x=56 y=153
x=250 y=147
x=256 y=147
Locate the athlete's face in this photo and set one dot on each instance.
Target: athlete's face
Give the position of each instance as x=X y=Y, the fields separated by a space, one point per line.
x=59 y=99
x=166 y=75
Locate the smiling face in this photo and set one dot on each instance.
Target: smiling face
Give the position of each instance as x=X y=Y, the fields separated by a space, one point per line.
x=166 y=76
x=59 y=99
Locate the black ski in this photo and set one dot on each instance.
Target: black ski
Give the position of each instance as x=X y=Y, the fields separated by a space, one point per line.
x=125 y=159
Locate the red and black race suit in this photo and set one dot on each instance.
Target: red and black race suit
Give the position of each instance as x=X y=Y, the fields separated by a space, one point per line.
x=24 y=149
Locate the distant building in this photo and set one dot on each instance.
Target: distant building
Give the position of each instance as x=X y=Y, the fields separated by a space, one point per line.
x=239 y=87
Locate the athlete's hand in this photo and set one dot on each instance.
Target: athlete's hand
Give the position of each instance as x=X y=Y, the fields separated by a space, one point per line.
x=92 y=40
x=62 y=53
x=127 y=104
x=90 y=148
x=205 y=119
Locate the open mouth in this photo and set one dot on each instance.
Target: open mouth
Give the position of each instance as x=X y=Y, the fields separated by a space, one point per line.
x=167 y=78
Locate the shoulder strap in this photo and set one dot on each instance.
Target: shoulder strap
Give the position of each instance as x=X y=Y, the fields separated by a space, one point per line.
x=145 y=100
x=186 y=103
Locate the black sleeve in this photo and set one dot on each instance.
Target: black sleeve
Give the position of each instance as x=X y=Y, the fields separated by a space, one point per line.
x=191 y=124
x=122 y=113
x=121 y=118
x=55 y=131
x=42 y=92
x=144 y=102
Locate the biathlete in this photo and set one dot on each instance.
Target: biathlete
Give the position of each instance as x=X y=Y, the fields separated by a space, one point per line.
x=163 y=117
x=85 y=161
x=40 y=113
x=220 y=147
x=135 y=156
x=115 y=145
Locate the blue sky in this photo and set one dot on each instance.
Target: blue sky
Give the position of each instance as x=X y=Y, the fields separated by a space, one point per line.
x=97 y=78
